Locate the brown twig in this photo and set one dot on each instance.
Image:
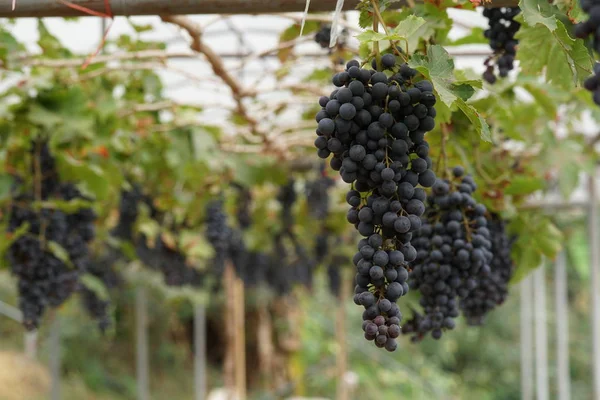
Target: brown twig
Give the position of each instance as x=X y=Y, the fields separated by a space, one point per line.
x=238 y=92
x=213 y=58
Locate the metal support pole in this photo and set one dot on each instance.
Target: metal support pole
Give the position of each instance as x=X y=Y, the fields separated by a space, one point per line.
x=541 y=333
x=200 y=352
x=53 y=8
x=562 y=327
x=30 y=339
x=55 y=356
x=595 y=278
x=526 y=338
x=141 y=328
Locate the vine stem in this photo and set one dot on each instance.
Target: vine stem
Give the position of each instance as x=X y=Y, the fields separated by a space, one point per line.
x=380 y=20
x=376 y=29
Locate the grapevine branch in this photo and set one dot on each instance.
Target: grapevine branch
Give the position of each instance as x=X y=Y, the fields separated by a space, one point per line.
x=238 y=92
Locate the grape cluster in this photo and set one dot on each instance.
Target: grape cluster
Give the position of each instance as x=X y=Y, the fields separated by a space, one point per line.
x=334 y=274
x=454 y=249
x=492 y=288
x=374 y=125
x=218 y=233
x=317 y=194
x=323 y=36
x=590 y=27
x=244 y=202
x=592 y=84
x=501 y=34
x=171 y=262
x=287 y=197
x=44 y=278
x=102 y=268
x=128 y=212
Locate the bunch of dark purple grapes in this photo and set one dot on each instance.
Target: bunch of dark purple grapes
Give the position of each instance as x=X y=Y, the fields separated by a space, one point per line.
x=501 y=33
x=590 y=27
x=44 y=278
x=583 y=31
x=323 y=36
x=492 y=288
x=454 y=251
x=102 y=268
x=592 y=84
x=374 y=127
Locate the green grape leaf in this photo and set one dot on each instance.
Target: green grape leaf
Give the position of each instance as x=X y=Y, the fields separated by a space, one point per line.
x=538 y=237
x=91 y=177
x=10 y=237
x=476 y=36
x=405 y=30
x=521 y=185
x=6 y=182
x=94 y=284
x=59 y=252
x=564 y=60
x=538 y=12
x=438 y=67
x=408 y=27
x=542 y=98
x=526 y=260
x=479 y=123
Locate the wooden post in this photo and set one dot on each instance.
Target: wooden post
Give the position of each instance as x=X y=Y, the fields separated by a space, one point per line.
x=55 y=357
x=266 y=347
x=342 y=392
x=562 y=327
x=229 y=367
x=541 y=333
x=526 y=338
x=141 y=329
x=240 y=339
x=199 y=352
x=595 y=281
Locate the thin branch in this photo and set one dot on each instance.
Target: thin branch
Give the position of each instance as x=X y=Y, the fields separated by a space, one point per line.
x=147 y=108
x=78 y=62
x=195 y=31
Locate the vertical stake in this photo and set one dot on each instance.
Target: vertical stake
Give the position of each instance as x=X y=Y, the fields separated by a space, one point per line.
x=595 y=280
x=141 y=328
x=541 y=333
x=200 y=352
x=562 y=327
x=526 y=339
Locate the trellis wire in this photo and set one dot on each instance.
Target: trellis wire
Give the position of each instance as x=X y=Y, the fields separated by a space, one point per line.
x=595 y=280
